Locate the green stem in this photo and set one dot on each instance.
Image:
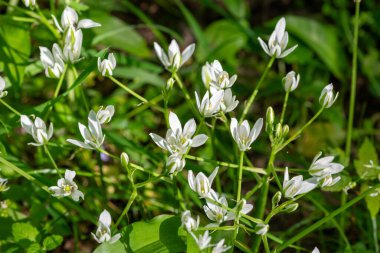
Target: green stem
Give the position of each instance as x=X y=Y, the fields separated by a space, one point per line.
x=265 y=242
x=60 y=82
x=127 y=207
x=322 y=221
x=225 y=164
x=353 y=82
x=284 y=107
x=142 y=99
x=47 y=24
x=255 y=91
x=295 y=136
x=186 y=94
x=240 y=178
x=375 y=240
x=262 y=201
x=52 y=160
x=10 y=107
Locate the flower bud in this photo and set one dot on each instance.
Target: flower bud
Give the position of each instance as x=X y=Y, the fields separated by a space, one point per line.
x=276 y=199
x=269 y=121
x=290 y=81
x=290 y=208
x=262 y=229
x=170 y=83
x=124 y=160
x=285 y=131
x=278 y=131
x=327 y=98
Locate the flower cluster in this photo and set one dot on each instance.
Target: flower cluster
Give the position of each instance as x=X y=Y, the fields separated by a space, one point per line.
x=93 y=136
x=178 y=141
x=37 y=130
x=54 y=61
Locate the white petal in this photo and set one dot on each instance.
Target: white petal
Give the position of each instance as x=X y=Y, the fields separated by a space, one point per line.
x=187 y=53
x=161 y=142
x=105 y=218
x=75 y=195
x=79 y=144
x=174 y=123
x=69 y=175
x=264 y=46
x=27 y=124
x=199 y=140
x=87 y=23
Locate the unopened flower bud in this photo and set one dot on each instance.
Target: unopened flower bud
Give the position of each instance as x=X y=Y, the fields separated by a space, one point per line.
x=278 y=131
x=269 y=121
x=276 y=199
x=291 y=208
x=170 y=83
x=290 y=81
x=327 y=97
x=285 y=131
x=124 y=160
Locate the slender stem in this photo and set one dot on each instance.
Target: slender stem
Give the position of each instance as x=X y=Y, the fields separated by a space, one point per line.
x=52 y=160
x=10 y=107
x=255 y=91
x=59 y=85
x=229 y=165
x=295 y=136
x=186 y=94
x=374 y=232
x=240 y=178
x=322 y=221
x=47 y=23
x=262 y=201
x=265 y=242
x=103 y=184
x=284 y=107
x=127 y=207
x=353 y=82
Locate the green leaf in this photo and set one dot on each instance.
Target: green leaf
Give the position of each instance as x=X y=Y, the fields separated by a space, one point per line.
x=22 y=231
x=367 y=153
x=15 y=48
x=373 y=203
x=106 y=247
x=157 y=235
x=226 y=39
x=322 y=39
x=35 y=248
x=117 y=34
x=51 y=242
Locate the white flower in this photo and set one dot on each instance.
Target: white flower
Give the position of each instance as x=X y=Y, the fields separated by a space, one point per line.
x=278 y=41
x=229 y=101
x=327 y=98
x=52 y=61
x=290 y=81
x=201 y=184
x=69 y=19
x=3 y=92
x=189 y=222
x=215 y=78
x=315 y=250
x=73 y=45
x=174 y=59
x=297 y=185
x=107 y=66
x=243 y=135
x=175 y=163
x=3 y=185
x=242 y=206
x=30 y=3
x=209 y=106
x=178 y=140
x=220 y=247
x=105 y=115
x=323 y=169
x=203 y=241
x=216 y=208
x=262 y=229
x=67 y=187
x=92 y=135
x=103 y=233
x=37 y=130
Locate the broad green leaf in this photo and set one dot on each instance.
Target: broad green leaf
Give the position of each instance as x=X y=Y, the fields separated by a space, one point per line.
x=15 y=49
x=322 y=38
x=22 y=231
x=117 y=34
x=363 y=166
x=157 y=235
x=35 y=248
x=106 y=247
x=51 y=242
x=226 y=39
x=373 y=203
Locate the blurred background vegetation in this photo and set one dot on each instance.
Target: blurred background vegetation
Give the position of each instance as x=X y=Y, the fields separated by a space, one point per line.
x=226 y=30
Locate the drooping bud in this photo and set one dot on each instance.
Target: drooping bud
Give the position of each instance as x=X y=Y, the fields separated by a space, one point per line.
x=276 y=199
x=291 y=208
x=269 y=121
